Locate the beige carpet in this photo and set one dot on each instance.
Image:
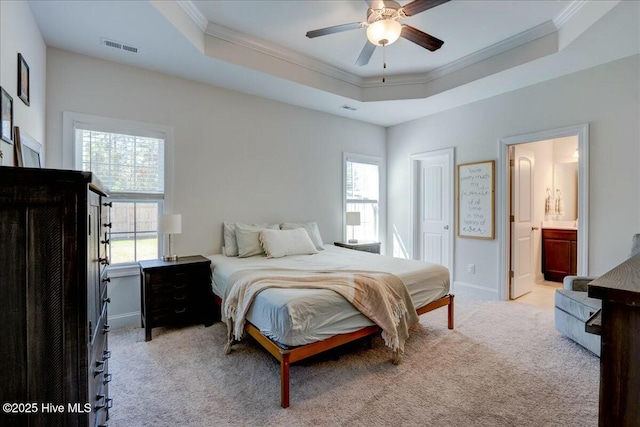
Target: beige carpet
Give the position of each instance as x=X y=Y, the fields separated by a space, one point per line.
x=503 y=365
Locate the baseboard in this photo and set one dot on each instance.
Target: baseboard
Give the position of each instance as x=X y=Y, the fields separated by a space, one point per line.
x=475 y=291
x=124 y=319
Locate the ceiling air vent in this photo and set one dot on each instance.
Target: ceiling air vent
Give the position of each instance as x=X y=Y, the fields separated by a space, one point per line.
x=348 y=107
x=120 y=46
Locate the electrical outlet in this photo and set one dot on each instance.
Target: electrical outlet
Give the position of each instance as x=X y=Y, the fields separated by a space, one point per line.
x=471 y=268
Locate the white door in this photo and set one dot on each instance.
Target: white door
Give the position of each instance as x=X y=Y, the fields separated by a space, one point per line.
x=522 y=231
x=435 y=231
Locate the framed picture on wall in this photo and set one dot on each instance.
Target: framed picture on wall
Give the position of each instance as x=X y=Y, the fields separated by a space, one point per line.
x=30 y=151
x=6 y=116
x=23 y=79
x=476 y=200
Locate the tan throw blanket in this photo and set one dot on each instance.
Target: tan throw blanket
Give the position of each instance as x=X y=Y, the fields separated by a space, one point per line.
x=382 y=297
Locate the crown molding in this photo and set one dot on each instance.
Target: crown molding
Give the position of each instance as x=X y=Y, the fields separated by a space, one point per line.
x=479 y=56
x=194 y=13
x=568 y=12
x=279 y=52
x=262 y=46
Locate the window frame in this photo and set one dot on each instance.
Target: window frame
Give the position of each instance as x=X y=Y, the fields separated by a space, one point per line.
x=72 y=159
x=365 y=159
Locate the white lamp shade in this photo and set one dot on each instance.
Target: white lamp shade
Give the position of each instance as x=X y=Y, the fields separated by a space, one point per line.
x=384 y=32
x=171 y=224
x=353 y=218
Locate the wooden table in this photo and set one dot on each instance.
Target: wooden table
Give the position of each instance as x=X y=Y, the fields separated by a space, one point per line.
x=619 y=290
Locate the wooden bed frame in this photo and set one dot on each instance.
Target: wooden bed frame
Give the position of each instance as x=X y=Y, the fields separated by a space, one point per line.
x=295 y=354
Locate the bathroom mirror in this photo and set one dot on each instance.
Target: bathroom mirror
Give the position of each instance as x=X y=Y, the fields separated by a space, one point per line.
x=565 y=184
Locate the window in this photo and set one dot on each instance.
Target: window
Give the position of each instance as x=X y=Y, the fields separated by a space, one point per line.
x=131 y=166
x=362 y=194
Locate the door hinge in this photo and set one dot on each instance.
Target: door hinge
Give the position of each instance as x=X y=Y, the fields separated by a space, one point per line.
x=511 y=274
x=512 y=218
x=512 y=162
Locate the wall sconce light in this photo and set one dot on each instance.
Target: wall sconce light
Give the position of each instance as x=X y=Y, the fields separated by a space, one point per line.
x=353 y=219
x=171 y=224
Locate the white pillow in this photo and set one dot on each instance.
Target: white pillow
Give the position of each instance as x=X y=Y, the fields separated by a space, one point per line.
x=280 y=243
x=230 y=246
x=248 y=238
x=310 y=227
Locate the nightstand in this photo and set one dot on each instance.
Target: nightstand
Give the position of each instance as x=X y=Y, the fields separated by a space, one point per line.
x=177 y=293
x=362 y=245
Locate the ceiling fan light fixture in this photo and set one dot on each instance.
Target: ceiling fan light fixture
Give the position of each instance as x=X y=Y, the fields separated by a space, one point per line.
x=384 y=32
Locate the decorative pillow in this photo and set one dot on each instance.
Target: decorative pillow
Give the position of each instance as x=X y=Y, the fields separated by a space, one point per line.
x=248 y=238
x=280 y=243
x=310 y=227
x=230 y=247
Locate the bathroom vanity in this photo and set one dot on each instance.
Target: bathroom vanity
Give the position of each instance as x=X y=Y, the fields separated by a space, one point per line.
x=559 y=253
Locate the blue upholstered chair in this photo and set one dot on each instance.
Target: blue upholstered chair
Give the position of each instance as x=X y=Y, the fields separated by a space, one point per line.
x=573 y=307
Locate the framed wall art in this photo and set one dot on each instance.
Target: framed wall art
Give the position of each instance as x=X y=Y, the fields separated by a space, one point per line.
x=23 y=79
x=6 y=116
x=476 y=200
x=30 y=150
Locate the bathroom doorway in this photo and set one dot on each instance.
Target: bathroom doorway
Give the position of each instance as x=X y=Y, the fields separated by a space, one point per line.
x=543 y=191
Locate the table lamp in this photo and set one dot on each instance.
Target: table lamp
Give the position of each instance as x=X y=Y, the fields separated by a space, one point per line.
x=353 y=219
x=171 y=224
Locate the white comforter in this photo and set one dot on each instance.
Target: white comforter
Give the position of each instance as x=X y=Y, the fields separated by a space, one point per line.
x=324 y=313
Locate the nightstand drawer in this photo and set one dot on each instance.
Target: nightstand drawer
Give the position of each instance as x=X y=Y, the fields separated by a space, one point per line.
x=172 y=315
x=169 y=277
x=169 y=301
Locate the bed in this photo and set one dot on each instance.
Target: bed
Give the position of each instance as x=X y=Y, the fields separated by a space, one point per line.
x=293 y=324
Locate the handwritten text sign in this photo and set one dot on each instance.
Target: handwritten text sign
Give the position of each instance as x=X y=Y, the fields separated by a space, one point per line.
x=475 y=200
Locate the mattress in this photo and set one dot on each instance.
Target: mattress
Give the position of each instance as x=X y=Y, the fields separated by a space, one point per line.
x=294 y=317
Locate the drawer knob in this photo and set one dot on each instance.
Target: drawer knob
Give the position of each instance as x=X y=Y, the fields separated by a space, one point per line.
x=106 y=329
x=107 y=279
x=104 y=261
x=106 y=300
x=106 y=378
x=105 y=242
x=109 y=204
x=99 y=368
x=107 y=224
x=106 y=354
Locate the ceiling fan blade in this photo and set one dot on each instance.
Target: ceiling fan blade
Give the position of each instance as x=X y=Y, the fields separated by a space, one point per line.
x=423 y=39
x=365 y=55
x=335 y=29
x=418 y=6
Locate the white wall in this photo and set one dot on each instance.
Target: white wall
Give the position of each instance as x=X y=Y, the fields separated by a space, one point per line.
x=236 y=157
x=19 y=33
x=606 y=97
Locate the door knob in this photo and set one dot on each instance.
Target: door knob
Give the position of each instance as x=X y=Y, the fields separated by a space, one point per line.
x=446 y=227
x=534 y=228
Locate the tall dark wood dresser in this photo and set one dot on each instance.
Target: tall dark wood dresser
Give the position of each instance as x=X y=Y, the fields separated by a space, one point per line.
x=54 y=356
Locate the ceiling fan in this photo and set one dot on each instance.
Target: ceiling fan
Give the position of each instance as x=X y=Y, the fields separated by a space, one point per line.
x=383 y=26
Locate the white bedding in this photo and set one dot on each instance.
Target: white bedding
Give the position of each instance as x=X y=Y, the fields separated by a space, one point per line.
x=301 y=316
